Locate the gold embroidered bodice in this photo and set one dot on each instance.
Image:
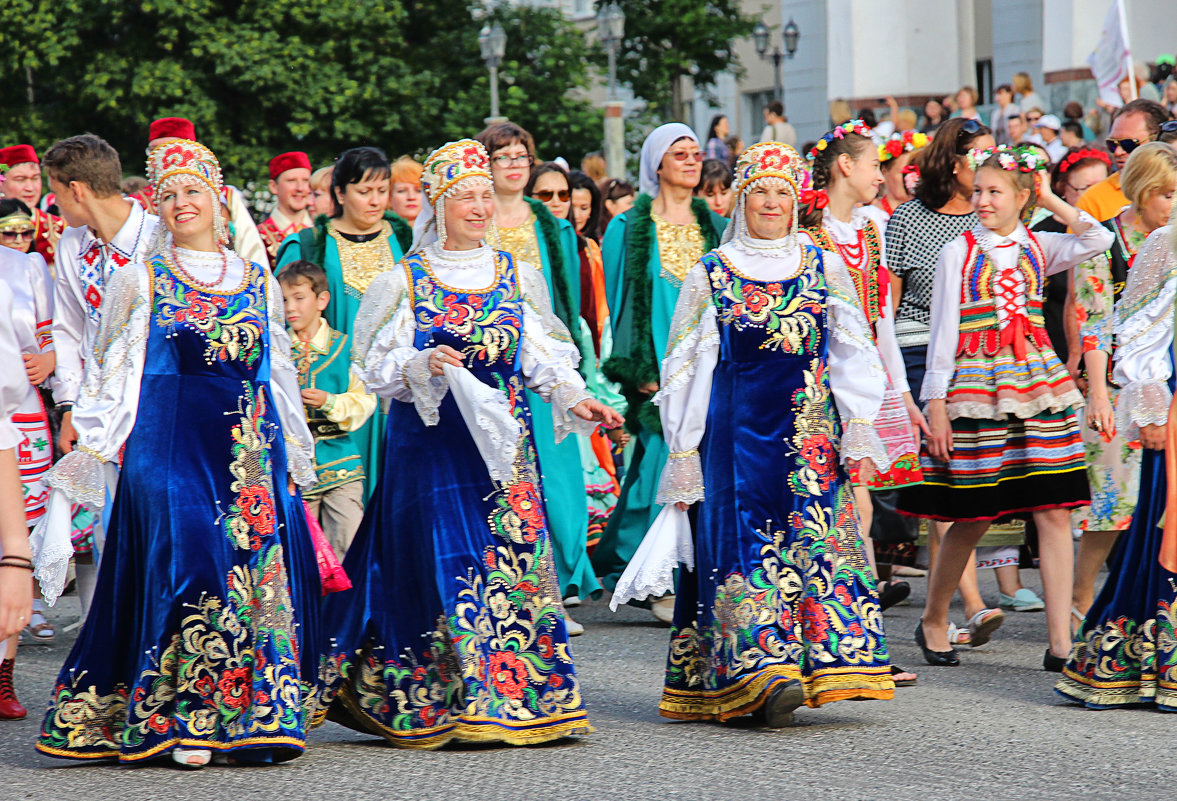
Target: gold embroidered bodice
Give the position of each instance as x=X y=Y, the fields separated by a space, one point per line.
x=360 y=262
x=679 y=247
x=521 y=242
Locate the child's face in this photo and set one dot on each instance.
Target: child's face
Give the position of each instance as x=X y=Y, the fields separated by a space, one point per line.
x=303 y=306
x=861 y=173
x=997 y=201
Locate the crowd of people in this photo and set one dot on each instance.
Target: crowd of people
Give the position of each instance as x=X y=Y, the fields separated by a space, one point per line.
x=321 y=466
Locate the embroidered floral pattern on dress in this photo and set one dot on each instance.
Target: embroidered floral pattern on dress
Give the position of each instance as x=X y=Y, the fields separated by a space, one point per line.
x=790 y=314
x=251 y=515
x=230 y=335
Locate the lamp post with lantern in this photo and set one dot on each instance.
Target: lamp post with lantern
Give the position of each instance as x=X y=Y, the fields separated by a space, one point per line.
x=492 y=41
x=790 y=35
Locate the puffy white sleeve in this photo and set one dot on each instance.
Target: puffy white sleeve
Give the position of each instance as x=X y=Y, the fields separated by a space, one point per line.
x=685 y=393
x=855 y=369
x=246 y=239
x=383 y=356
x=1144 y=335
x=13 y=384
x=69 y=320
x=945 y=321
x=889 y=351
x=300 y=446
x=1064 y=251
x=549 y=357
x=104 y=413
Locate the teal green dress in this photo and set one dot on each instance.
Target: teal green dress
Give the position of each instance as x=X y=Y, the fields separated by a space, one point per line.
x=641 y=300
x=316 y=244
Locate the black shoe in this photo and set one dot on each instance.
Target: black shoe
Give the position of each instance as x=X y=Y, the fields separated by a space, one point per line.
x=935 y=658
x=891 y=593
x=777 y=712
x=1052 y=663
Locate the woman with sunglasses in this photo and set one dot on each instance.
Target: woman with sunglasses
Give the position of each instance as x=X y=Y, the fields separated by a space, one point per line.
x=648 y=251
x=525 y=228
x=549 y=185
x=17 y=227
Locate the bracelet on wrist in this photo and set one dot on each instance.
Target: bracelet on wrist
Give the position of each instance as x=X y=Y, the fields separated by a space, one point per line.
x=684 y=454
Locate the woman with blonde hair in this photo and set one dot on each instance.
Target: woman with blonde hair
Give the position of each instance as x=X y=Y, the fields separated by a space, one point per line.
x=321 y=202
x=1027 y=97
x=966 y=102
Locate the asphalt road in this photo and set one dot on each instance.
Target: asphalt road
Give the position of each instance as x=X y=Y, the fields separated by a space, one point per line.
x=990 y=729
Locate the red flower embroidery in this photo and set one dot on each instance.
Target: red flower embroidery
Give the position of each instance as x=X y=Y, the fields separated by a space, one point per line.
x=199 y=309
x=545 y=646
x=428 y=715
x=527 y=587
x=817 y=452
x=774 y=289
x=490 y=559
x=204 y=685
x=556 y=681
x=814 y=622
x=235 y=688
x=524 y=502
x=159 y=723
x=473 y=157
x=177 y=156
x=773 y=158
x=508 y=674
x=756 y=299
x=257 y=508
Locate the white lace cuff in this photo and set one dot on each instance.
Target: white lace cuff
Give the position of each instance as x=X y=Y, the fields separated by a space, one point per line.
x=860 y=440
x=682 y=479
x=79 y=476
x=650 y=573
x=300 y=464
x=428 y=390
x=935 y=386
x=1142 y=403
x=563 y=397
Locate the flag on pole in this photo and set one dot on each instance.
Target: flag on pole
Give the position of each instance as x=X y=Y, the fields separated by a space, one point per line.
x=1111 y=61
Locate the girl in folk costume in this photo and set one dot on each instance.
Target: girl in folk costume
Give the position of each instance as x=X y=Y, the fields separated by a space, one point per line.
x=899 y=173
x=1005 y=438
x=31 y=315
x=780 y=607
x=1126 y=650
x=454 y=628
x=846 y=178
x=207 y=586
x=1113 y=462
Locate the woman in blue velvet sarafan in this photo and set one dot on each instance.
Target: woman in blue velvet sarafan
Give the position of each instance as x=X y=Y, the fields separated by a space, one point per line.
x=770 y=382
x=454 y=628
x=201 y=634
x=1125 y=652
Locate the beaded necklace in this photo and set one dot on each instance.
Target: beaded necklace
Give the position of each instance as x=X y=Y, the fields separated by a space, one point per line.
x=174 y=262
x=863 y=259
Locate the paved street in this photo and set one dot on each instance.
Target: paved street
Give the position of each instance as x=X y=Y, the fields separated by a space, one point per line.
x=991 y=729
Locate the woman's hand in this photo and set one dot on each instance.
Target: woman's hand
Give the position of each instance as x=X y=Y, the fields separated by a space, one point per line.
x=68 y=435
x=865 y=467
x=16 y=599
x=940 y=435
x=1153 y=437
x=1100 y=418
x=594 y=410
x=39 y=366
x=315 y=398
x=682 y=506
x=441 y=356
x=290 y=486
x=917 y=417
x=648 y=389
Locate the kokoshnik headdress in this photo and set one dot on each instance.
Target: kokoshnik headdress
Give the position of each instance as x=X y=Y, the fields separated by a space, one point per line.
x=182 y=159
x=772 y=163
x=445 y=168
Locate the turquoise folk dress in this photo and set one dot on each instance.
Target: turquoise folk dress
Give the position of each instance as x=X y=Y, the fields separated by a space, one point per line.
x=771 y=383
x=454 y=627
x=204 y=624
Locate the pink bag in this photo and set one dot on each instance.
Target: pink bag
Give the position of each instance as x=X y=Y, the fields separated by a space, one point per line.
x=331 y=572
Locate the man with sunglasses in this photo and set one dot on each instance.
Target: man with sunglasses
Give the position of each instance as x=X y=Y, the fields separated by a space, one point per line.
x=1136 y=123
x=22 y=181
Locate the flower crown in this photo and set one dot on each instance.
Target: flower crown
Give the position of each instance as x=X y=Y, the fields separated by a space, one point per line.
x=1022 y=158
x=902 y=142
x=851 y=126
x=1072 y=159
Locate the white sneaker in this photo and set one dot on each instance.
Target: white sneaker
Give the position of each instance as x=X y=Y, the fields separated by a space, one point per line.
x=572 y=626
x=571 y=601
x=663 y=609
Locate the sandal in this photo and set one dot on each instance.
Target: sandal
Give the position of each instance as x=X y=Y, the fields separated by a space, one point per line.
x=957 y=636
x=192 y=757
x=983 y=624
x=896 y=674
x=40 y=629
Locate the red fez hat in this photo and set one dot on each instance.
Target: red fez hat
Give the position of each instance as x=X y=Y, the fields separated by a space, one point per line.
x=167 y=127
x=289 y=161
x=18 y=154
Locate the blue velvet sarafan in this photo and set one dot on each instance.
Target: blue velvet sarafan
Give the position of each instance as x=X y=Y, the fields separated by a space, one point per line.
x=453 y=629
x=782 y=588
x=202 y=629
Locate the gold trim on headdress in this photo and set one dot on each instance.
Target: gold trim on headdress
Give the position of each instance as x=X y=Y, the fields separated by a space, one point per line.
x=451 y=163
x=17 y=221
x=184 y=157
x=771 y=160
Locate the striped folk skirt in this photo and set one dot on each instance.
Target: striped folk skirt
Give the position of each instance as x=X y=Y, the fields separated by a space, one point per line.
x=1003 y=469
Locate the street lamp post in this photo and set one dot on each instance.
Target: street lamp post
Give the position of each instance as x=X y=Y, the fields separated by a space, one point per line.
x=760 y=35
x=492 y=40
x=611 y=30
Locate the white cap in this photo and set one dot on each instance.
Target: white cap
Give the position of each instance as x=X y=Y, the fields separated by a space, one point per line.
x=1049 y=121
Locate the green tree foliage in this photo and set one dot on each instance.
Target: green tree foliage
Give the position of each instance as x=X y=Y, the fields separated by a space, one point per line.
x=258 y=78
x=667 y=40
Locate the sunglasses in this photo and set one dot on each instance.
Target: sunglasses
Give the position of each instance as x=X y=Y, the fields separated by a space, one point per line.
x=1127 y=145
x=12 y=236
x=683 y=155
x=970 y=128
x=546 y=195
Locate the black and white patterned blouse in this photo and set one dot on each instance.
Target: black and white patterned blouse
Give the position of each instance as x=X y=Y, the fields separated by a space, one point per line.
x=915 y=236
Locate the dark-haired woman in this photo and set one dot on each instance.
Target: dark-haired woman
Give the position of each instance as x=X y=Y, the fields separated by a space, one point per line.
x=359 y=241
x=617 y=197
x=717 y=132
x=715 y=186
x=549 y=185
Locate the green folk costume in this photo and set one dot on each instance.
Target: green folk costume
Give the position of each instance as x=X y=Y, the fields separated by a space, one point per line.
x=337 y=457
x=641 y=295
x=321 y=244
x=560 y=464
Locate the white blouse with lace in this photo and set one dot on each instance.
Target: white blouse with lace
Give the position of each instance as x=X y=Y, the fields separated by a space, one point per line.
x=385 y=358
x=1144 y=335
x=13 y=383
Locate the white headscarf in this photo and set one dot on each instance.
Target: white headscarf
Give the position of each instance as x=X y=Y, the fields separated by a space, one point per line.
x=654 y=148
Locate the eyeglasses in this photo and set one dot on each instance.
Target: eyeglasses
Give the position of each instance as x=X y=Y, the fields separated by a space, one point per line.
x=683 y=155
x=546 y=195
x=1169 y=127
x=503 y=160
x=1127 y=145
x=13 y=236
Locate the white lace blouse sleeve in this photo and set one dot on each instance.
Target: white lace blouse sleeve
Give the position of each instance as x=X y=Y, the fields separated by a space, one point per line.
x=685 y=393
x=945 y=321
x=889 y=348
x=549 y=357
x=300 y=446
x=69 y=320
x=13 y=384
x=108 y=402
x=383 y=355
x=1144 y=335
x=1064 y=251
x=856 y=372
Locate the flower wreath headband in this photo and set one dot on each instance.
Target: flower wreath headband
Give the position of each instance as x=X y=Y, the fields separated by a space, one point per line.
x=1011 y=159
x=902 y=142
x=1080 y=155
x=851 y=126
